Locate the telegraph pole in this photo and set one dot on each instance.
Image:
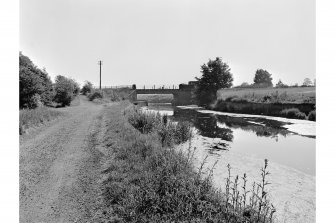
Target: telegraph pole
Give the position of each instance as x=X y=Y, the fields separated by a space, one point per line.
x=100 y=63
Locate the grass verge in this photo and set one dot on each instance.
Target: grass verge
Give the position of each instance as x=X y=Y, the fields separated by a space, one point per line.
x=146 y=180
x=269 y=95
x=34 y=117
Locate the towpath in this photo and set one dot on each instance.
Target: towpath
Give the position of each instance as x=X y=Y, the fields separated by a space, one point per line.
x=59 y=167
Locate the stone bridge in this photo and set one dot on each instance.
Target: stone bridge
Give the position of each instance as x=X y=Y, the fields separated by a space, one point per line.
x=181 y=96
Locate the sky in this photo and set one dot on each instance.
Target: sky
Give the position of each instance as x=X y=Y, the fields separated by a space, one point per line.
x=146 y=42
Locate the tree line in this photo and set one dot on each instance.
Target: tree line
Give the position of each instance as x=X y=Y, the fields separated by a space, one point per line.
x=37 y=89
x=217 y=75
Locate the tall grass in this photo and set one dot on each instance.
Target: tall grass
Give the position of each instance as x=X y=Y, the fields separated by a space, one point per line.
x=34 y=117
x=147 y=181
x=293 y=113
x=169 y=132
x=312 y=116
x=269 y=95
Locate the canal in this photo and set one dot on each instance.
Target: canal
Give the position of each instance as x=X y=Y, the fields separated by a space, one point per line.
x=244 y=141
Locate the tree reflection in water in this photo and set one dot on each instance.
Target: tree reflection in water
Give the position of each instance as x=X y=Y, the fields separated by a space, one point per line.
x=221 y=126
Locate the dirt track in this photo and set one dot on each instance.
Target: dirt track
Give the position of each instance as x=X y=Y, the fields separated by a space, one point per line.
x=59 y=167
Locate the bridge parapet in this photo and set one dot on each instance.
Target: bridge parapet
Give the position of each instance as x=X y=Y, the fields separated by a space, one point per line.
x=157 y=91
x=180 y=96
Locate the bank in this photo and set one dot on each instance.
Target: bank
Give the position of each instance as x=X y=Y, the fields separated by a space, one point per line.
x=146 y=180
x=269 y=109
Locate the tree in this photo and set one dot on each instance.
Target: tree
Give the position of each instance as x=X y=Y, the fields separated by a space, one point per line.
x=87 y=88
x=64 y=89
x=280 y=84
x=215 y=75
x=263 y=78
x=244 y=84
x=35 y=84
x=307 y=82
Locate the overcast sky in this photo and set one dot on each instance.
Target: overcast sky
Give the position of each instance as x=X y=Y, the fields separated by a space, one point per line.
x=166 y=42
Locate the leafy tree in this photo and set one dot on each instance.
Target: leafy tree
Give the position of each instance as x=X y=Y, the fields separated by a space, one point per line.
x=244 y=84
x=35 y=84
x=87 y=88
x=76 y=87
x=215 y=75
x=64 y=88
x=280 y=84
x=263 y=78
x=307 y=82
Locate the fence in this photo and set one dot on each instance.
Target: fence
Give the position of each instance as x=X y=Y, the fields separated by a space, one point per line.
x=140 y=87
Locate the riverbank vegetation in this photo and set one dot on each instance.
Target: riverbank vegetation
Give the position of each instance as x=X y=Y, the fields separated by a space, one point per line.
x=269 y=95
x=147 y=180
x=35 y=117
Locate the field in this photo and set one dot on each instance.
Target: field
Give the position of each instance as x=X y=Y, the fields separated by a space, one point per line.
x=270 y=95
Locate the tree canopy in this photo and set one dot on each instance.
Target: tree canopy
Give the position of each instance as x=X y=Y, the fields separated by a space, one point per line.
x=263 y=78
x=215 y=75
x=34 y=83
x=307 y=82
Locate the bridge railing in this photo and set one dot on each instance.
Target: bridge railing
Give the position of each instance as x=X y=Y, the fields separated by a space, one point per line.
x=142 y=87
x=113 y=87
x=153 y=86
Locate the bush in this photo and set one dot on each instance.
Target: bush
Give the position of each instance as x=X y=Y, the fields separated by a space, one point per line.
x=293 y=113
x=95 y=95
x=145 y=122
x=312 y=116
x=35 y=102
x=170 y=133
x=64 y=89
x=87 y=88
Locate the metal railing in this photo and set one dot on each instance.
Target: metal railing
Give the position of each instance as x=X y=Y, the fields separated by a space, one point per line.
x=143 y=87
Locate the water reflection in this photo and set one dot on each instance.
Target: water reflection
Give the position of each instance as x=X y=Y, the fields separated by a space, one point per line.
x=265 y=138
x=220 y=126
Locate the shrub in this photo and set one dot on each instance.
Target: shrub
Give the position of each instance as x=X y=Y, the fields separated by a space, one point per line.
x=95 y=95
x=293 y=113
x=87 y=88
x=312 y=116
x=144 y=121
x=35 y=102
x=76 y=87
x=170 y=133
x=64 y=88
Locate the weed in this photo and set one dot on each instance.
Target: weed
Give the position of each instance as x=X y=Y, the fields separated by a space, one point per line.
x=95 y=95
x=34 y=117
x=293 y=113
x=312 y=116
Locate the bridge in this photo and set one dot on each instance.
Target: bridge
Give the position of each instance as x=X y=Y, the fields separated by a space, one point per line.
x=181 y=96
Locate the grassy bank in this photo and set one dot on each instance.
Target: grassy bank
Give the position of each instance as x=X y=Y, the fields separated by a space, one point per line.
x=146 y=180
x=34 y=117
x=295 y=95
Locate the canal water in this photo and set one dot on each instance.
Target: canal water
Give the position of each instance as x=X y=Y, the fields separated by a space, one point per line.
x=244 y=141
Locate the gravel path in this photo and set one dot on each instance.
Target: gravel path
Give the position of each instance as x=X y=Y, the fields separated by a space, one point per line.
x=60 y=167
